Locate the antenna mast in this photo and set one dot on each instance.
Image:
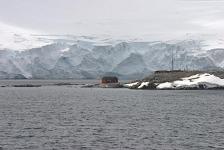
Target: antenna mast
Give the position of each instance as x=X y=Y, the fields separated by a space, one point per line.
x=172 y=61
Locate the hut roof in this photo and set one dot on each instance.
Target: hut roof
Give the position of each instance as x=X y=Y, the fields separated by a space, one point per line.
x=109 y=78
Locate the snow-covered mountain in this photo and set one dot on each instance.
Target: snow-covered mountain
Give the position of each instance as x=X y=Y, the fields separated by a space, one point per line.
x=25 y=54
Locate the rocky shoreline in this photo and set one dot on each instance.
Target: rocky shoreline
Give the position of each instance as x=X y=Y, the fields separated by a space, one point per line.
x=180 y=80
x=159 y=80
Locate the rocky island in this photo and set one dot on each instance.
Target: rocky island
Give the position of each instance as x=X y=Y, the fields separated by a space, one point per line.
x=180 y=80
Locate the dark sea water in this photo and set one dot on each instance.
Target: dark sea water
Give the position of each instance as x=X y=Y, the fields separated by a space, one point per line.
x=66 y=117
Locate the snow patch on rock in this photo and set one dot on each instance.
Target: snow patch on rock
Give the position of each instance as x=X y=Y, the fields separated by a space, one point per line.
x=130 y=84
x=143 y=84
x=196 y=81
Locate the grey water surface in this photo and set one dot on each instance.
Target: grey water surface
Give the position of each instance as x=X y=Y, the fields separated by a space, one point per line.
x=65 y=117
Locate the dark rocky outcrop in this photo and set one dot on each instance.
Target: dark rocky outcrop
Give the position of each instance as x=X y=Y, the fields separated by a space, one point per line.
x=163 y=76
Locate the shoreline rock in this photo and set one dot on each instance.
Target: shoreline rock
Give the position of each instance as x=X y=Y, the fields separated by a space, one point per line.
x=180 y=80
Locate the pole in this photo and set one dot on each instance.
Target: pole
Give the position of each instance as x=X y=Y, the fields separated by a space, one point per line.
x=172 y=61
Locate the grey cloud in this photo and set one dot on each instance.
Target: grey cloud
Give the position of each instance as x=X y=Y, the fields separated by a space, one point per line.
x=112 y=16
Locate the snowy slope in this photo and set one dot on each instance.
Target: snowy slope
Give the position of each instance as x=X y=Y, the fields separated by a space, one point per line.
x=15 y=38
x=68 y=56
x=61 y=60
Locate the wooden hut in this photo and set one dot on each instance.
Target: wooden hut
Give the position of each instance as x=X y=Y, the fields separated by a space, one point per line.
x=109 y=79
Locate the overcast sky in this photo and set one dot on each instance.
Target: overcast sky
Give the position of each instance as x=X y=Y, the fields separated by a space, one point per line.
x=115 y=17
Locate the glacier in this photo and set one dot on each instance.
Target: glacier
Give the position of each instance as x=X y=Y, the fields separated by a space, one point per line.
x=31 y=55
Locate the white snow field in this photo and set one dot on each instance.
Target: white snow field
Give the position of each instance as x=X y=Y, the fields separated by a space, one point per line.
x=15 y=38
x=206 y=80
